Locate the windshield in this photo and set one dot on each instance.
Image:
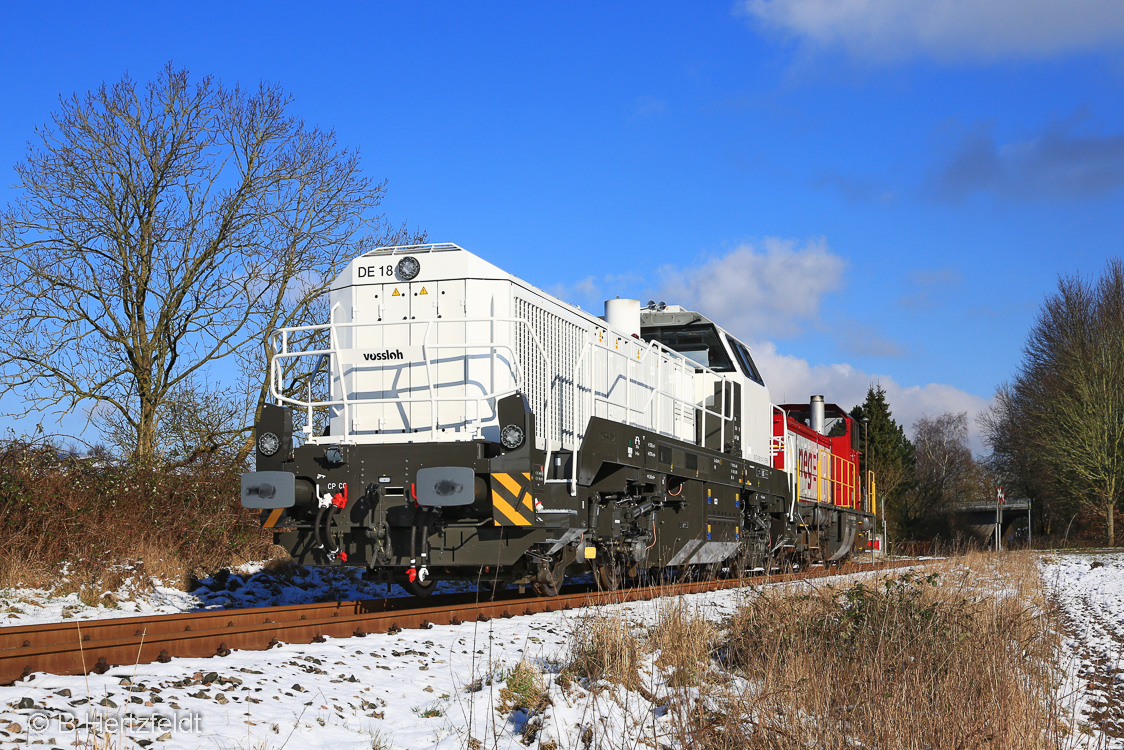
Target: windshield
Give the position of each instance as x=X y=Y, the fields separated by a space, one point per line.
x=746 y=361
x=699 y=343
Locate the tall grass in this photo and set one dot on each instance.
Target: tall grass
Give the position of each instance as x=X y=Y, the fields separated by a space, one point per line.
x=957 y=657
x=960 y=655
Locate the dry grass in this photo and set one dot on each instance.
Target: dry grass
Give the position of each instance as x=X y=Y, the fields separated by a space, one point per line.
x=684 y=639
x=524 y=689
x=960 y=655
x=603 y=647
x=111 y=523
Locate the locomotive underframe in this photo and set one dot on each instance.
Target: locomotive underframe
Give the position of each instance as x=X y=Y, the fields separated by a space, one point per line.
x=644 y=502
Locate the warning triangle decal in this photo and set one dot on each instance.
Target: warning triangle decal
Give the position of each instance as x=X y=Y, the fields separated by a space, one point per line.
x=396 y=294
x=423 y=291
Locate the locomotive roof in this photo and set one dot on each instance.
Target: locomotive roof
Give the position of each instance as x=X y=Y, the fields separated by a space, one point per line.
x=672 y=315
x=805 y=406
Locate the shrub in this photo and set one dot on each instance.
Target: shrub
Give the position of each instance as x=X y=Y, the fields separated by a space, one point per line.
x=111 y=522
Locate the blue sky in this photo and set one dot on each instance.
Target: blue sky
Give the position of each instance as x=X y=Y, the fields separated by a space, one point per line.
x=864 y=190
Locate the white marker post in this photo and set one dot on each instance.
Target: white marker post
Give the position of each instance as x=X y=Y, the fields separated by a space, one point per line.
x=998 y=518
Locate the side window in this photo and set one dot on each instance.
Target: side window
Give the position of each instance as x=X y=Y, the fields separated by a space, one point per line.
x=745 y=361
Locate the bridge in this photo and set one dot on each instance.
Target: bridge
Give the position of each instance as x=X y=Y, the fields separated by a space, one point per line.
x=980 y=518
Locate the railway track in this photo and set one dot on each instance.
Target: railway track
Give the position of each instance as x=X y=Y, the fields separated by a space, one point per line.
x=79 y=647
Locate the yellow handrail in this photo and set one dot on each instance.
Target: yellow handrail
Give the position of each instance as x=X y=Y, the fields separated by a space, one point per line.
x=870 y=491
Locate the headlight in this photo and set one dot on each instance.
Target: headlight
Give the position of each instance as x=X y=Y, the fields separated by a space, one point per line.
x=268 y=443
x=511 y=436
x=408 y=268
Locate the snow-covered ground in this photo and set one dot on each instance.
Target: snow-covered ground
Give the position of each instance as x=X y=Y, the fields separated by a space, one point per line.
x=1090 y=589
x=437 y=688
x=441 y=688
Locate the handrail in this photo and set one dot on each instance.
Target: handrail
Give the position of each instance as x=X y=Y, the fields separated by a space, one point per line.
x=647 y=348
x=792 y=475
x=430 y=326
x=637 y=353
x=870 y=493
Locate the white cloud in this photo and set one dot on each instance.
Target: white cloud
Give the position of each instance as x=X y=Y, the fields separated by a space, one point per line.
x=591 y=292
x=773 y=291
x=792 y=380
x=947 y=30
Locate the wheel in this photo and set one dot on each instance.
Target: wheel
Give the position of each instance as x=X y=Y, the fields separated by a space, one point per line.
x=609 y=573
x=548 y=577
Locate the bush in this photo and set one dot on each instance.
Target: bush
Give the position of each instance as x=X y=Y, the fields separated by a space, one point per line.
x=109 y=522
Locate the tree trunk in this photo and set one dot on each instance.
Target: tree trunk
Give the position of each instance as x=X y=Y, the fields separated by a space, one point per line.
x=1108 y=518
x=145 y=454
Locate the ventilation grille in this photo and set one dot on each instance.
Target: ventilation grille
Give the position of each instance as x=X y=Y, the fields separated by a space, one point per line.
x=562 y=343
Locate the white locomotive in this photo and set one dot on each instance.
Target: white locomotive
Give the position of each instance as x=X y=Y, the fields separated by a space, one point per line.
x=455 y=421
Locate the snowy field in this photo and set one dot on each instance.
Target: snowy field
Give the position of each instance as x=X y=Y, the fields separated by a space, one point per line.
x=441 y=688
x=1090 y=589
x=437 y=688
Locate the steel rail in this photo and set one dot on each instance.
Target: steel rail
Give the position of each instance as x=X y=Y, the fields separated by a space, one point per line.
x=79 y=647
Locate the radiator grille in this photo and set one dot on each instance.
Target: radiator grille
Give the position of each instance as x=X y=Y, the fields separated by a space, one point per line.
x=562 y=343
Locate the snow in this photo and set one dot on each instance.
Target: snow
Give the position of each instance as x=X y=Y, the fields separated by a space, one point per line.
x=436 y=688
x=1089 y=587
x=440 y=688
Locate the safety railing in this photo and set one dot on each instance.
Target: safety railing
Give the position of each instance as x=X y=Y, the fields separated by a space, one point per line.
x=836 y=479
x=646 y=412
x=345 y=403
x=780 y=444
x=585 y=390
x=872 y=502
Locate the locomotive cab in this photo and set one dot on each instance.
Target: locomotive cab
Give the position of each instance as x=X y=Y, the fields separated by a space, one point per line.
x=711 y=348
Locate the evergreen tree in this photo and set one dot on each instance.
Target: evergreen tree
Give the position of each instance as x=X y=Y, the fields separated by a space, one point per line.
x=888 y=453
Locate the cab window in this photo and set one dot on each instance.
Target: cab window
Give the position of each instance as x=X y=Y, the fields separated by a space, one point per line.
x=699 y=343
x=745 y=361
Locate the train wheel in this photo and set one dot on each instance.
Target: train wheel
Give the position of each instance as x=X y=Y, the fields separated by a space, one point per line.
x=549 y=581
x=609 y=573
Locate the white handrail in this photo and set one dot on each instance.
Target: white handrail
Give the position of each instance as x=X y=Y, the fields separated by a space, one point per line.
x=276 y=379
x=648 y=348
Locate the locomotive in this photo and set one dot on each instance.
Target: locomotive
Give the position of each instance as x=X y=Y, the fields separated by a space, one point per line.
x=459 y=423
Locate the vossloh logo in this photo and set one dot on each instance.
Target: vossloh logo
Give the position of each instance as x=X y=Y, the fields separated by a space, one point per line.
x=383 y=356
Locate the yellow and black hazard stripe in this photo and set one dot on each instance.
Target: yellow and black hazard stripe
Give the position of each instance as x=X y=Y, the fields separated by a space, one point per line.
x=270 y=518
x=512 y=502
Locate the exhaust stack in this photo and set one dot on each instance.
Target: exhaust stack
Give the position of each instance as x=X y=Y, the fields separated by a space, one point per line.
x=624 y=315
x=817 y=414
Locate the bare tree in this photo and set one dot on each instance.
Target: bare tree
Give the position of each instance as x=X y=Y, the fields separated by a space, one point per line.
x=1064 y=411
x=945 y=473
x=1073 y=380
x=1014 y=461
x=199 y=422
x=162 y=228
